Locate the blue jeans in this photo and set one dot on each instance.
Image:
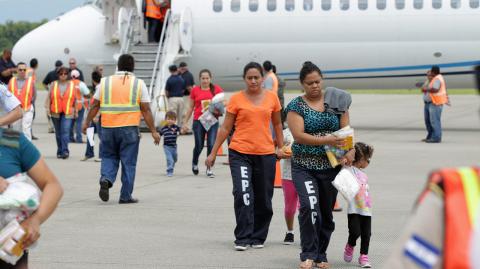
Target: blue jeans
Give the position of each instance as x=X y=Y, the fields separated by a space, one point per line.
x=77 y=125
x=62 y=128
x=90 y=153
x=171 y=155
x=435 y=114
x=199 y=134
x=120 y=145
x=426 y=117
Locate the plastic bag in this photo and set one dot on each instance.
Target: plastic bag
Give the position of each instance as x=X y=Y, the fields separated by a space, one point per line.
x=17 y=203
x=334 y=153
x=346 y=183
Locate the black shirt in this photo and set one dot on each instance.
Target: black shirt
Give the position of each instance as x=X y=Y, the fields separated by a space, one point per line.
x=50 y=77
x=175 y=86
x=189 y=81
x=4 y=65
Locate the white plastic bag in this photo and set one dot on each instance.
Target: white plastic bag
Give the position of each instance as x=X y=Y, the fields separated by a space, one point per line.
x=346 y=183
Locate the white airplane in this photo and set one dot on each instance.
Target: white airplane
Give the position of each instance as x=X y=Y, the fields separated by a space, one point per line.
x=357 y=43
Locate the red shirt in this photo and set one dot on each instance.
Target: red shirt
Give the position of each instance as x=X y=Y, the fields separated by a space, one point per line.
x=201 y=99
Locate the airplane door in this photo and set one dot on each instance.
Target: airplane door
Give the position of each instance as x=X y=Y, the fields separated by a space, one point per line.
x=186 y=27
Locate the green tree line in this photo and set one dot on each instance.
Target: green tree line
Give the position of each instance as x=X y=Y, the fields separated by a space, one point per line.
x=11 y=32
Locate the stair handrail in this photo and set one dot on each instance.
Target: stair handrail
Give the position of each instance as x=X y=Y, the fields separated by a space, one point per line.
x=128 y=35
x=161 y=44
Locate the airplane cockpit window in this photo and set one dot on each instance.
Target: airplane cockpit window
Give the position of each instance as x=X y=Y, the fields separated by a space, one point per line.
x=418 y=4
x=455 y=4
x=289 y=5
x=437 y=4
x=271 y=5
x=474 y=3
x=307 y=5
x=400 y=4
x=326 y=4
x=344 y=4
x=253 y=5
x=381 y=4
x=235 y=5
x=217 y=5
x=362 y=4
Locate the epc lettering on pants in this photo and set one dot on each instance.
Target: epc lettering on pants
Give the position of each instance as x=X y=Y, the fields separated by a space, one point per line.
x=245 y=184
x=312 y=198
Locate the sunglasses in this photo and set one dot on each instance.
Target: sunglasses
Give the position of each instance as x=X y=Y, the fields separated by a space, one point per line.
x=22 y=70
x=63 y=74
x=72 y=63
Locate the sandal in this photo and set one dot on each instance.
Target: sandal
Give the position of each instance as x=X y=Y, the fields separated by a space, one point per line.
x=307 y=264
x=323 y=265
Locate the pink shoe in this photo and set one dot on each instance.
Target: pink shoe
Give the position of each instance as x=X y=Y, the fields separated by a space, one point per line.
x=363 y=261
x=348 y=253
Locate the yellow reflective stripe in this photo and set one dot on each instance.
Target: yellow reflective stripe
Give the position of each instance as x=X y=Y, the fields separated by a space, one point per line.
x=132 y=85
x=70 y=95
x=110 y=84
x=55 y=96
x=102 y=91
x=139 y=93
x=27 y=92
x=471 y=188
x=13 y=82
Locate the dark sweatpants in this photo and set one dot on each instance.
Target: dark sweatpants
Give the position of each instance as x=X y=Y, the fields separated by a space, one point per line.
x=359 y=226
x=252 y=177
x=317 y=198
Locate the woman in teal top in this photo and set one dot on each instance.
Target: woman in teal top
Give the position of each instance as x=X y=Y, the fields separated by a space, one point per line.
x=311 y=118
x=19 y=155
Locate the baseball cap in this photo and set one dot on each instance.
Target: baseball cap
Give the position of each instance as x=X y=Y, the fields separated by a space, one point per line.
x=58 y=63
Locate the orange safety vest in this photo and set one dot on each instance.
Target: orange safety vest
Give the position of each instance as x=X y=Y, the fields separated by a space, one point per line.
x=25 y=97
x=121 y=107
x=440 y=97
x=462 y=204
x=62 y=104
x=153 y=10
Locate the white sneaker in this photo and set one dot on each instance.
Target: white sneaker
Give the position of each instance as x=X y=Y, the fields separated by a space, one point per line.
x=241 y=247
x=210 y=173
x=257 y=246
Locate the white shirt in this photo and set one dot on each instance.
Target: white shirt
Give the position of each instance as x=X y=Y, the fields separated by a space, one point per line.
x=8 y=101
x=145 y=98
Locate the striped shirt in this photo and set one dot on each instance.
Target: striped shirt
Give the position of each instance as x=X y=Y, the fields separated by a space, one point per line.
x=170 y=134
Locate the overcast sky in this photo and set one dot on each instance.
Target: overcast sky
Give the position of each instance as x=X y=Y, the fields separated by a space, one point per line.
x=35 y=10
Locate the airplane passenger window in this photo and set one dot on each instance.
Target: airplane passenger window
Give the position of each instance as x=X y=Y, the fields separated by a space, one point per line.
x=217 y=5
x=253 y=5
x=235 y=5
x=381 y=4
x=474 y=3
x=455 y=4
x=418 y=4
x=344 y=4
x=307 y=5
x=362 y=4
x=400 y=4
x=326 y=4
x=289 y=5
x=437 y=4
x=271 y=5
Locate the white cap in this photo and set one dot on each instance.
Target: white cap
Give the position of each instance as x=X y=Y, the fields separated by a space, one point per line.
x=75 y=74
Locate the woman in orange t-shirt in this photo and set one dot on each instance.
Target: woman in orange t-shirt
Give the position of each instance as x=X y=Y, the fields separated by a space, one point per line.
x=252 y=156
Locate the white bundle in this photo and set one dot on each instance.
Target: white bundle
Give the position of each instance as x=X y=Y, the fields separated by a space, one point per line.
x=346 y=183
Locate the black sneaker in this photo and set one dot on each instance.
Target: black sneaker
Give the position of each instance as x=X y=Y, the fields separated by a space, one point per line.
x=241 y=247
x=103 y=193
x=289 y=239
x=195 y=169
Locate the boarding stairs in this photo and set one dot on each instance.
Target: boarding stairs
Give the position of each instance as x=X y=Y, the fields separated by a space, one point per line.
x=152 y=60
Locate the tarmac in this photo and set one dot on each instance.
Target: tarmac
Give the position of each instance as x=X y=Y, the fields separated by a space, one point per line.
x=187 y=221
